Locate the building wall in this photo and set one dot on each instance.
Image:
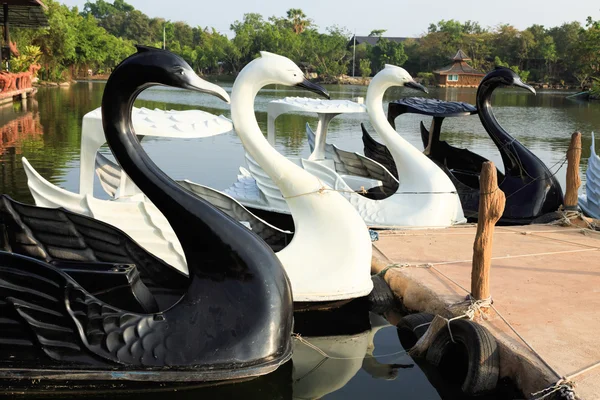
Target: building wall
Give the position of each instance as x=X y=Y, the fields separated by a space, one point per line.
x=463 y=81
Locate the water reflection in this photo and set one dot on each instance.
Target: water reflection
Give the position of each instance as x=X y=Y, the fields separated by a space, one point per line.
x=326 y=364
x=20 y=132
x=543 y=123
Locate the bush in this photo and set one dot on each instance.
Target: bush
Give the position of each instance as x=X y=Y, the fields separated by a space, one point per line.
x=28 y=57
x=426 y=78
x=365 y=67
x=595 y=90
x=524 y=75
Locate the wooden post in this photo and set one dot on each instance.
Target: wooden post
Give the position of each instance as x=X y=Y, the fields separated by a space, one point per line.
x=573 y=179
x=491 y=207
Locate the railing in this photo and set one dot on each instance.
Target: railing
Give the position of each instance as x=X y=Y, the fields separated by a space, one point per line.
x=10 y=81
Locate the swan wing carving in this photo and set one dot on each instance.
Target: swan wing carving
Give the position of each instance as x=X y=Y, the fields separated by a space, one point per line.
x=34 y=297
x=351 y=163
x=378 y=152
x=107 y=170
x=590 y=202
x=275 y=237
x=146 y=225
x=57 y=235
x=254 y=187
x=121 y=337
x=71 y=325
x=109 y=174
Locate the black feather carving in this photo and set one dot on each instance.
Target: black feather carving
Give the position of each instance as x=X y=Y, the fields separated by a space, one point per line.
x=378 y=152
x=58 y=235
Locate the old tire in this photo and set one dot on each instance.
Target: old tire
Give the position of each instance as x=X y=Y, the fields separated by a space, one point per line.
x=411 y=327
x=381 y=299
x=473 y=361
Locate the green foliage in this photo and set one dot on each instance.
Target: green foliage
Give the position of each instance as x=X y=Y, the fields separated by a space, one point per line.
x=426 y=78
x=365 y=67
x=524 y=75
x=387 y=52
x=104 y=33
x=595 y=90
x=298 y=20
x=29 y=56
x=377 y=32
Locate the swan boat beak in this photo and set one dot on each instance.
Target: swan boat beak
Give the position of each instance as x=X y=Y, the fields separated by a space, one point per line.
x=200 y=85
x=313 y=87
x=521 y=84
x=416 y=86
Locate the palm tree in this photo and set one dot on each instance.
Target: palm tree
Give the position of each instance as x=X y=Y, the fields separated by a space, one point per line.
x=298 y=20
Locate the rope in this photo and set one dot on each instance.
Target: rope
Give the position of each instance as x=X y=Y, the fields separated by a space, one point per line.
x=569 y=214
x=473 y=307
x=401 y=266
x=564 y=387
x=362 y=190
x=323 y=189
x=324 y=354
x=420 y=326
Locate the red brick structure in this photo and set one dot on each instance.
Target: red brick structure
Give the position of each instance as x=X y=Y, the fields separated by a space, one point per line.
x=458 y=74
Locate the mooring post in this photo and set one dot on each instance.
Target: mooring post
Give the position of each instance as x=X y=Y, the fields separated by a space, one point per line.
x=491 y=207
x=573 y=179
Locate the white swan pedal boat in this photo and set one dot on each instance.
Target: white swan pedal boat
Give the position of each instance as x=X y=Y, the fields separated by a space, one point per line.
x=423 y=196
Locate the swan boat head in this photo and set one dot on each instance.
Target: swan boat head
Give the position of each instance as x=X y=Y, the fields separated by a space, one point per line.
x=416 y=172
x=331 y=241
x=502 y=76
x=398 y=76
x=530 y=185
x=235 y=319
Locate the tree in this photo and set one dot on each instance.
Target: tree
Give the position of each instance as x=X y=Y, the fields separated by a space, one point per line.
x=298 y=20
x=365 y=67
x=524 y=75
x=387 y=52
x=377 y=32
x=328 y=51
x=58 y=42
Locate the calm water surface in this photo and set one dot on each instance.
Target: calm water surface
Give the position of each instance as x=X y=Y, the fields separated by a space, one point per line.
x=47 y=131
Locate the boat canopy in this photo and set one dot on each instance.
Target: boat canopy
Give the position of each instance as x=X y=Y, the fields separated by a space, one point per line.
x=189 y=124
x=430 y=107
x=325 y=110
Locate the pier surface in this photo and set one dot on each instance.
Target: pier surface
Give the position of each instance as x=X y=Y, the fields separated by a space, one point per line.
x=545 y=280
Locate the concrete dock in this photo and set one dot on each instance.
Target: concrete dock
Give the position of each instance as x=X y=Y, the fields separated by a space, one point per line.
x=545 y=280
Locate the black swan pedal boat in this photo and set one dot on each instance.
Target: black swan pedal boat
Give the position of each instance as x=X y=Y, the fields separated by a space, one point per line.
x=63 y=319
x=531 y=188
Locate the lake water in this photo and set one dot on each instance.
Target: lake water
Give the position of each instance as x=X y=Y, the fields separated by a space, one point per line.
x=47 y=129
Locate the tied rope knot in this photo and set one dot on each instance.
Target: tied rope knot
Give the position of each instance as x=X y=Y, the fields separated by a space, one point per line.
x=564 y=386
x=473 y=307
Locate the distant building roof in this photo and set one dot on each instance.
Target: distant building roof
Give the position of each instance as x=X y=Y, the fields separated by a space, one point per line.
x=459 y=66
x=25 y=13
x=373 y=40
x=461 y=56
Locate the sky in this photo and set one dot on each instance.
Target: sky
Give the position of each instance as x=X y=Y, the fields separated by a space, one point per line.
x=398 y=17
